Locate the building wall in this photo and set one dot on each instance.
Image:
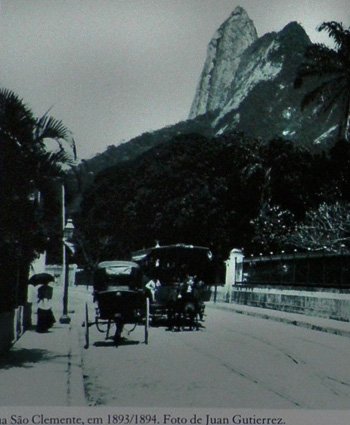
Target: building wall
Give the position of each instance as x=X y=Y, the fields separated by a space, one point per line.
x=38 y=265
x=11 y=328
x=56 y=270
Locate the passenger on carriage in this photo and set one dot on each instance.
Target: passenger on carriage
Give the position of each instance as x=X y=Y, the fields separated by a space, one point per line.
x=151 y=288
x=186 y=286
x=190 y=281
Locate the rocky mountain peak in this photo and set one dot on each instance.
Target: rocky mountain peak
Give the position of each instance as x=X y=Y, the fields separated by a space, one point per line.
x=223 y=58
x=238 y=14
x=247 y=84
x=295 y=30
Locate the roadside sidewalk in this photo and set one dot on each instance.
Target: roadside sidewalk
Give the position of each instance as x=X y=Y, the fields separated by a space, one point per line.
x=316 y=323
x=45 y=369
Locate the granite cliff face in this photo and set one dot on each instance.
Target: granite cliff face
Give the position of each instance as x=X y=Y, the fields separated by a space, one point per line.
x=223 y=59
x=247 y=83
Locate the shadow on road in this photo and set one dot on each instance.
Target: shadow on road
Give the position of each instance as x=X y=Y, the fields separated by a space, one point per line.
x=26 y=358
x=111 y=343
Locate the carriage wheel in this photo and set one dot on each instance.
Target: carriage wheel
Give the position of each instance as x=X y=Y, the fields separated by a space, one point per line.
x=147 y=320
x=102 y=326
x=87 y=339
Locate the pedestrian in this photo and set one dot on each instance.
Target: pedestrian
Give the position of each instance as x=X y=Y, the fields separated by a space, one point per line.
x=46 y=318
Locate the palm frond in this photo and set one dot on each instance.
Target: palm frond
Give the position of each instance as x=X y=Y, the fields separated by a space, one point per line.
x=9 y=96
x=15 y=116
x=332 y=66
x=50 y=128
x=58 y=156
x=337 y=32
x=334 y=99
x=74 y=147
x=50 y=164
x=323 y=94
x=320 y=61
x=62 y=157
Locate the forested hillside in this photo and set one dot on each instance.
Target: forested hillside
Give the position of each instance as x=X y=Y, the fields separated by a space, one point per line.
x=224 y=192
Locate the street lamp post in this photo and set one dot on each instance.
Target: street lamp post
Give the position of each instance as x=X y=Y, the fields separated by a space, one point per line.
x=67 y=235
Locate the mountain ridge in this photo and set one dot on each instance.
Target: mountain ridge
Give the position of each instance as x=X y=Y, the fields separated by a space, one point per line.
x=261 y=99
x=246 y=85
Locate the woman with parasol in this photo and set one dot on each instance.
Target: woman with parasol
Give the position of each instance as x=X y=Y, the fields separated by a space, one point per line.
x=46 y=318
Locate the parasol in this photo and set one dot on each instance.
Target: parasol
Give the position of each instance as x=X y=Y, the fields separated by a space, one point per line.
x=41 y=279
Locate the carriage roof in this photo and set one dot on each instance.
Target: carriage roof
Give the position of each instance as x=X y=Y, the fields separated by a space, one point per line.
x=118 y=264
x=117 y=273
x=172 y=251
x=175 y=261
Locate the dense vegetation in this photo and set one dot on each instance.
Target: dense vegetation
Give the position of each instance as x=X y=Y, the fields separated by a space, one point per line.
x=330 y=70
x=224 y=192
x=28 y=177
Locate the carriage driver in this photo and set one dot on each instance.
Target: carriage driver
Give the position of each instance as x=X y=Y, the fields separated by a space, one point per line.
x=189 y=283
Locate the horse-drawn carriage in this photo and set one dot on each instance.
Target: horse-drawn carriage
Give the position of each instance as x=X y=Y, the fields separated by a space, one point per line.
x=120 y=298
x=167 y=284
x=182 y=276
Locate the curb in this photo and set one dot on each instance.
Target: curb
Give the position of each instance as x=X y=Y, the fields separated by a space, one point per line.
x=336 y=328
x=75 y=380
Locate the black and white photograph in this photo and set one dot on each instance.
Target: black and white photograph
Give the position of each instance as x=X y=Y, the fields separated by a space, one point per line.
x=175 y=212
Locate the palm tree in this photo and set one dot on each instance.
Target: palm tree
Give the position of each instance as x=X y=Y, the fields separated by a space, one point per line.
x=26 y=168
x=332 y=66
x=23 y=147
x=19 y=126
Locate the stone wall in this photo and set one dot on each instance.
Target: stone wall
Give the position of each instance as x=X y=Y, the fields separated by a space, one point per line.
x=331 y=304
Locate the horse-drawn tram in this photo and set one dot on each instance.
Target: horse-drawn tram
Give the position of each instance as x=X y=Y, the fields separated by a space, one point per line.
x=177 y=280
x=120 y=298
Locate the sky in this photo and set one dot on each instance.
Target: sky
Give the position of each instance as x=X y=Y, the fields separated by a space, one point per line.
x=114 y=69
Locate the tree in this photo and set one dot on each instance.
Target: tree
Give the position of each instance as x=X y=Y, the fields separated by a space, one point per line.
x=27 y=171
x=272 y=226
x=332 y=66
x=325 y=228
x=278 y=173
x=26 y=165
x=199 y=191
x=176 y=192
